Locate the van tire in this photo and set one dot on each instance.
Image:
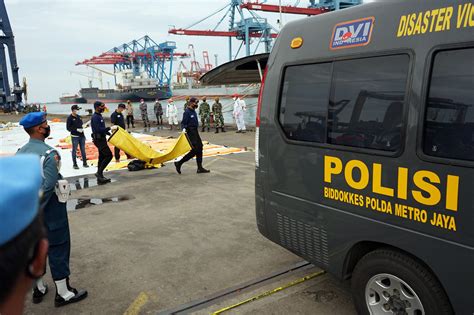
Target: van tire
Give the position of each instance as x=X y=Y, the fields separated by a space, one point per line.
x=388 y=262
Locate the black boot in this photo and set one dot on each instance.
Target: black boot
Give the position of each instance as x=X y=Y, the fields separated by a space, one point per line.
x=202 y=129
x=38 y=295
x=208 y=129
x=178 y=167
x=78 y=296
x=201 y=169
x=75 y=167
x=223 y=129
x=217 y=130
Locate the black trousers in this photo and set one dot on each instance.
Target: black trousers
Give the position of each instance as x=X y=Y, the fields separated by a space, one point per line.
x=159 y=119
x=130 y=119
x=105 y=155
x=196 y=144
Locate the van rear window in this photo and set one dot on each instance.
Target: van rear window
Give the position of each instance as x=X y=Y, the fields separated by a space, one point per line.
x=366 y=107
x=304 y=102
x=449 y=117
x=357 y=103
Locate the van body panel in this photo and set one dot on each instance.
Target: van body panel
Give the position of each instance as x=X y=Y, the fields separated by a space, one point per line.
x=291 y=178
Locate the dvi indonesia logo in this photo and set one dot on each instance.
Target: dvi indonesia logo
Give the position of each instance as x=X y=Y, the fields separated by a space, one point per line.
x=352 y=33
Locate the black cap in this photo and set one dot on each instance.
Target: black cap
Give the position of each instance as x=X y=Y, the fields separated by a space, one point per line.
x=193 y=100
x=122 y=105
x=98 y=104
x=75 y=107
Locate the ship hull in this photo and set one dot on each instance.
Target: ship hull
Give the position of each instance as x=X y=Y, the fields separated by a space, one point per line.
x=117 y=96
x=72 y=100
x=225 y=91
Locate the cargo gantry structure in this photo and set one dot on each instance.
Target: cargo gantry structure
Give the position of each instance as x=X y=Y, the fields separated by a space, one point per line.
x=143 y=55
x=255 y=27
x=8 y=97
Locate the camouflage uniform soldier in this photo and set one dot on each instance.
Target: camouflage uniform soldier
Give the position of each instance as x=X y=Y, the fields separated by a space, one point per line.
x=205 y=114
x=144 y=112
x=186 y=103
x=218 y=116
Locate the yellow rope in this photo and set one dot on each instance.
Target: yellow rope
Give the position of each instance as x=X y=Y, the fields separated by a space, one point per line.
x=268 y=293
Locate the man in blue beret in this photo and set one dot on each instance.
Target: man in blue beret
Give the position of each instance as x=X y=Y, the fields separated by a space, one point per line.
x=53 y=201
x=23 y=243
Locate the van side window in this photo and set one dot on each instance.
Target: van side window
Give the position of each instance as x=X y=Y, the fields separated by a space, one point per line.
x=304 y=100
x=366 y=105
x=449 y=117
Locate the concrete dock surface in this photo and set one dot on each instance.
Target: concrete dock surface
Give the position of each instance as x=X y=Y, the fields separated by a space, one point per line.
x=174 y=241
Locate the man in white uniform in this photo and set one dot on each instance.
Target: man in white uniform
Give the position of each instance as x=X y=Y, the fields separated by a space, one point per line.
x=238 y=113
x=172 y=114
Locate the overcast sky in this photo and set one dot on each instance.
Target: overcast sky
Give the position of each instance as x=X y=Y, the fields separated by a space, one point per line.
x=52 y=35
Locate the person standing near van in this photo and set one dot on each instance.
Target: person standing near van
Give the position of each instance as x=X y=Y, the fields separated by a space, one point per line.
x=74 y=126
x=158 y=112
x=130 y=115
x=190 y=125
x=144 y=112
x=238 y=113
x=172 y=114
x=218 y=116
x=53 y=201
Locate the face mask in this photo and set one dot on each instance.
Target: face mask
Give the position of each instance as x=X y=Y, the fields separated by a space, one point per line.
x=48 y=131
x=74 y=112
x=101 y=110
x=235 y=98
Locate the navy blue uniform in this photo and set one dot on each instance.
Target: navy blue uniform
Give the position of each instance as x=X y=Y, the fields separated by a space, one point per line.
x=74 y=126
x=99 y=133
x=117 y=119
x=191 y=124
x=55 y=212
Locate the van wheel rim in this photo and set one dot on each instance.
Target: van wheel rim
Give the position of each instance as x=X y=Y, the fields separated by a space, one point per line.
x=388 y=294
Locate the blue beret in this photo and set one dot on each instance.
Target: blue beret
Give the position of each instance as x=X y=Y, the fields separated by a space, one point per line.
x=20 y=180
x=33 y=119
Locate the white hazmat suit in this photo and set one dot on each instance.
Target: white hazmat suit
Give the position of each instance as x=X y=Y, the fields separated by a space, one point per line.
x=172 y=113
x=239 y=108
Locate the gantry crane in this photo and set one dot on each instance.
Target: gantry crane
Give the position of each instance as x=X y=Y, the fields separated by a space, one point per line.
x=256 y=27
x=141 y=55
x=248 y=28
x=8 y=96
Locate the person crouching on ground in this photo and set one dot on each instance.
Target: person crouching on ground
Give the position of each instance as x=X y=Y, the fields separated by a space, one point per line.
x=172 y=114
x=190 y=125
x=74 y=126
x=117 y=119
x=99 y=137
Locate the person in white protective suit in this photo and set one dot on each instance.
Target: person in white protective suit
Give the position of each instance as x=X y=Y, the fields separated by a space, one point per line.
x=172 y=114
x=238 y=113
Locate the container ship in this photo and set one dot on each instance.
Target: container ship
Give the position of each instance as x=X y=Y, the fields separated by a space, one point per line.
x=133 y=88
x=72 y=99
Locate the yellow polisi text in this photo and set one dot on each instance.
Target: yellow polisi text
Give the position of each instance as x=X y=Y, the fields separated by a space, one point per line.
x=428 y=185
x=436 y=20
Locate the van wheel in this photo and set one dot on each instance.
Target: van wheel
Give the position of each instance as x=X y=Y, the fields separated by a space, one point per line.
x=386 y=281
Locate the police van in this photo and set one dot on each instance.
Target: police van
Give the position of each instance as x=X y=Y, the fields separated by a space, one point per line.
x=365 y=150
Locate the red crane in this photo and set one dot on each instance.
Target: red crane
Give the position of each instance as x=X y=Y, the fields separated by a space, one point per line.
x=255 y=6
x=207 y=64
x=110 y=58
